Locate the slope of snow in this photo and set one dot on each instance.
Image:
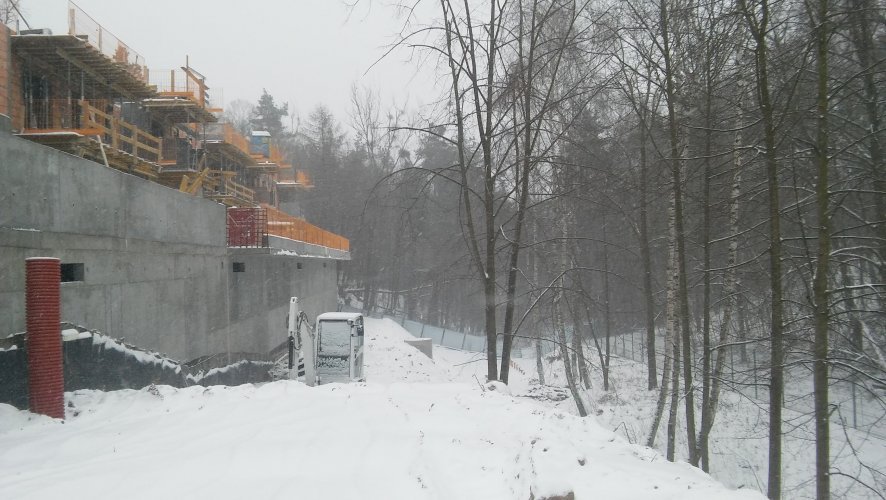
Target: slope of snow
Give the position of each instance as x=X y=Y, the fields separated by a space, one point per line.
x=739 y=441
x=417 y=429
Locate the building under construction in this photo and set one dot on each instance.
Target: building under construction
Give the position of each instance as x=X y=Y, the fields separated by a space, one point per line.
x=175 y=230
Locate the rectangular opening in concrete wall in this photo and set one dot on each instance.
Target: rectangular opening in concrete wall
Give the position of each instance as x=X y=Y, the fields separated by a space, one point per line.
x=298 y=265
x=239 y=267
x=72 y=272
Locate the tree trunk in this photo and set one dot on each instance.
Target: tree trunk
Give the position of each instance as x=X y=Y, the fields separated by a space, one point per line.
x=676 y=176
x=539 y=352
x=607 y=316
x=820 y=285
x=522 y=195
x=645 y=254
x=662 y=393
x=709 y=407
x=759 y=27
x=468 y=63
x=675 y=398
x=856 y=335
x=673 y=328
x=484 y=129
x=703 y=452
x=578 y=348
x=539 y=364
x=561 y=327
x=564 y=354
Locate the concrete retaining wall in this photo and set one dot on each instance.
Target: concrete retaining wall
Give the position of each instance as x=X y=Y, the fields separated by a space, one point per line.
x=156 y=268
x=266 y=284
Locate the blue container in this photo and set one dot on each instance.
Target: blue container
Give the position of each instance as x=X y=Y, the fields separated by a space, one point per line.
x=260 y=143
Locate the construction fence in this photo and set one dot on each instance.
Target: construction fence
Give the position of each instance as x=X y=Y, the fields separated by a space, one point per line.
x=743 y=373
x=251 y=226
x=286 y=226
x=453 y=339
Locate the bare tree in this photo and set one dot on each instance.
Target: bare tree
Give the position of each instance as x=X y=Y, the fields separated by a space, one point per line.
x=820 y=14
x=239 y=113
x=757 y=17
x=10 y=11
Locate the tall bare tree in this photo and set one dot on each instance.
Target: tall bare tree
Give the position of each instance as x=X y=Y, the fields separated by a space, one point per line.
x=756 y=14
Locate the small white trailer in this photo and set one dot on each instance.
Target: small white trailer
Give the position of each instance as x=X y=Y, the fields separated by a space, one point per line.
x=330 y=351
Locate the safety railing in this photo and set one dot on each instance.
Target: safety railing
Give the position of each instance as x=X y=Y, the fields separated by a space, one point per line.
x=222 y=183
x=302 y=177
x=286 y=226
x=276 y=156
x=225 y=132
x=120 y=134
x=249 y=227
x=181 y=83
x=92 y=118
x=82 y=25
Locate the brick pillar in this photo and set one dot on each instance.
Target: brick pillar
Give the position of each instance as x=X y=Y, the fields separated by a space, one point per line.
x=43 y=340
x=5 y=71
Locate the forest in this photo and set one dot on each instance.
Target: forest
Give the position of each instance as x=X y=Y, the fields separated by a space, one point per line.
x=709 y=174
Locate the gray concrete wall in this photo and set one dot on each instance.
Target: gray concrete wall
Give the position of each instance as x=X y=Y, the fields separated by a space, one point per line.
x=157 y=271
x=266 y=284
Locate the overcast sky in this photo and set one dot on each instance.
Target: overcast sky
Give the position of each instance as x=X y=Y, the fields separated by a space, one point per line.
x=304 y=52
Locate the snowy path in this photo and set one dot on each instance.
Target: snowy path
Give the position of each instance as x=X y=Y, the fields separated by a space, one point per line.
x=418 y=429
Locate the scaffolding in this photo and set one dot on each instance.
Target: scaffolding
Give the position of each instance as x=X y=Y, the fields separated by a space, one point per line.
x=94 y=129
x=81 y=25
x=89 y=94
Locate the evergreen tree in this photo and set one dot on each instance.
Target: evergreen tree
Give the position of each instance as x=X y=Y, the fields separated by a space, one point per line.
x=268 y=116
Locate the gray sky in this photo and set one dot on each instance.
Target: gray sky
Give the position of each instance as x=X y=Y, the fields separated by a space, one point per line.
x=304 y=52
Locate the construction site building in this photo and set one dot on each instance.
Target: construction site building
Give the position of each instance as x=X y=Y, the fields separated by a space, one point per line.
x=147 y=178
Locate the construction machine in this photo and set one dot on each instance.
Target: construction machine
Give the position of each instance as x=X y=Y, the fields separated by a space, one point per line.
x=330 y=350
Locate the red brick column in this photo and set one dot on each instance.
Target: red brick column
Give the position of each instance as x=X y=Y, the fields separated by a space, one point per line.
x=5 y=71
x=43 y=340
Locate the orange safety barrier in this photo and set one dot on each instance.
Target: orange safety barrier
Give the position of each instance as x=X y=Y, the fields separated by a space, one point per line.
x=276 y=155
x=286 y=226
x=302 y=177
x=231 y=136
x=223 y=132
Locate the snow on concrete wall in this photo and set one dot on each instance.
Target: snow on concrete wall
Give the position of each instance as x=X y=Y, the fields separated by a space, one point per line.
x=96 y=361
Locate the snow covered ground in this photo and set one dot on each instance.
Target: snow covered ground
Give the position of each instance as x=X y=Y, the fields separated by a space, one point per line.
x=739 y=441
x=417 y=429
